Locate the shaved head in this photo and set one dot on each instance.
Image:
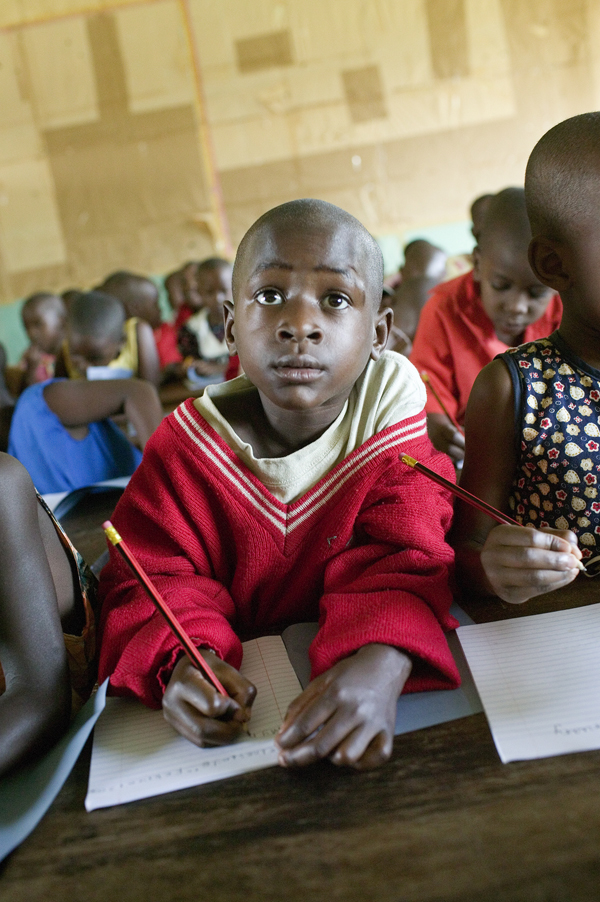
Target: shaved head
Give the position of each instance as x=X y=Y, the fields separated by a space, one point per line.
x=97 y=314
x=562 y=180
x=506 y=221
x=312 y=216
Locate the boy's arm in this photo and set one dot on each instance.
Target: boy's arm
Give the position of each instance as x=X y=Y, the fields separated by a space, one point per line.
x=383 y=615
x=77 y=402
x=148 y=359
x=138 y=650
x=35 y=707
x=509 y=561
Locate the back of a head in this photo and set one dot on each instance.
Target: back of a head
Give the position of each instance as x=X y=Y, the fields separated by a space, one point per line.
x=132 y=290
x=422 y=259
x=97 y=314
x=311 y=215
x=506 y=222
x=562 y=180
x=211 y=263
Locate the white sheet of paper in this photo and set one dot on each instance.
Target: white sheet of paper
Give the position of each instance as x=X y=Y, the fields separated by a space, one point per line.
x=539 y=681
x=136 y=753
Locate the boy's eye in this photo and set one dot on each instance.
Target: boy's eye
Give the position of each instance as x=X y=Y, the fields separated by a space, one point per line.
x=500 y=286
x=335 y=301
x=539 y=294
x=268 y=297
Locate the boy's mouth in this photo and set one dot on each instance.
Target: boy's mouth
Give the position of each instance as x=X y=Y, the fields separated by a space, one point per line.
x=298 y=368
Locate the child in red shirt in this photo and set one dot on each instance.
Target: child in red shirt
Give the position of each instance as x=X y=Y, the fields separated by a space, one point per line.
x=470 y=319
x=280 y=497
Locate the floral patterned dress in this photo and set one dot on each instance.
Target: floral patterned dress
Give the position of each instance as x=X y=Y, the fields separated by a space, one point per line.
x=557 y=414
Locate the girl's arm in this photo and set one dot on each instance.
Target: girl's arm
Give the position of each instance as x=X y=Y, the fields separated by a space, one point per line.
x=77 y=403
x=148 y=359
x=509 y=561
x=35 y=708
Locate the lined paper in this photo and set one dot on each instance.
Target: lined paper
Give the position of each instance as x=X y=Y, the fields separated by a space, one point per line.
x=539 y=681
x=137 y=754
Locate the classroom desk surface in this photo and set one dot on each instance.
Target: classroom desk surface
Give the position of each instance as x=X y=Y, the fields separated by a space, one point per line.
x=444 y=820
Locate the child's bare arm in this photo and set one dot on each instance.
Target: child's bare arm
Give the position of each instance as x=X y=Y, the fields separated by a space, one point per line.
x=445 y=436
x=35 y=707
x=77 y=403
x=195 y=709
x=347 y=714
x=148 y=359
x=514 y=563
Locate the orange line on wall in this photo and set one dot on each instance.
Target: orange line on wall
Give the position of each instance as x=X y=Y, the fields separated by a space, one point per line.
x=208 y=153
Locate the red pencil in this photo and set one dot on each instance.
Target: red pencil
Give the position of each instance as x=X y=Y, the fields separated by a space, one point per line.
x=189 y=647
x=473 y=500
x=427 y=380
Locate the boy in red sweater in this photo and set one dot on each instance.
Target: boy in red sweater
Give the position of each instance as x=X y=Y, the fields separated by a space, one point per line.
x=279 y=497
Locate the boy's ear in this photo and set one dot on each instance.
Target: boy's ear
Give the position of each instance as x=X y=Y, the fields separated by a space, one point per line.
x=549 y=261
x=383 y=326
x=229 y=316
x=476 y=263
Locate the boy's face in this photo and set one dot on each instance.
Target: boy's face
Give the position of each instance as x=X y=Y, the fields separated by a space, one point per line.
x=214 y=288
x=45 y=327
x=87 y=350
x=511 y=295
x=306 y=320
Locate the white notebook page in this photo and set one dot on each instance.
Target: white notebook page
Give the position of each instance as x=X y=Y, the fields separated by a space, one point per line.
x=137 y=754
x=539 y=681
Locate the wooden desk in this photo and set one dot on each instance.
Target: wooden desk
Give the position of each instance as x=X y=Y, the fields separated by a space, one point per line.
x=444 y=820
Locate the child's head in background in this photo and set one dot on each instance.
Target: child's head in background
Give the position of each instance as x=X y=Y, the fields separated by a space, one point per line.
x=138 y=294
x=213 y=283
x=511 y=294
x=562 y=188
x=423 y=260
x=44 y=317
x=478 y=211
x=95 y=330
x=306 y=316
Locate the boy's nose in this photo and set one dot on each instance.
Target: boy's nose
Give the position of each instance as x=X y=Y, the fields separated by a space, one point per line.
x=299 y=325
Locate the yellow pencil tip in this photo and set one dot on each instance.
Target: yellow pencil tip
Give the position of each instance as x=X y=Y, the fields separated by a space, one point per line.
x=111 y=532
x=408 y=460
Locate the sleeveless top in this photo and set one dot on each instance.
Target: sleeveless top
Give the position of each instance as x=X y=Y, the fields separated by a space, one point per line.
x=557 y=431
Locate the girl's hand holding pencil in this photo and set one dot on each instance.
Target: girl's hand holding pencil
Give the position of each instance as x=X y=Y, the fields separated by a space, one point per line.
x=518 y=562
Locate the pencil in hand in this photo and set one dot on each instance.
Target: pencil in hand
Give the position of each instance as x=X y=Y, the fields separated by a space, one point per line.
x=427 y=380
x=471 y=499
x=151 y=590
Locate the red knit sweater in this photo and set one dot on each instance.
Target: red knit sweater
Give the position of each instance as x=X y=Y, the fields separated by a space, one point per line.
x=363 y=551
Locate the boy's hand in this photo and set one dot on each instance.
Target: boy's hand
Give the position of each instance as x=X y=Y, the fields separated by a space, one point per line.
x=445 y=436
x=347 y=714
x=521 y=563
x=196 y=710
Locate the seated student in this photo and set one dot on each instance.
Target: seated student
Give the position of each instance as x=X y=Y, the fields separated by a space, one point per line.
x=279 y=497
x=44 y=316
x=60 y=429
x=47 y=630
x=201 y=339
x=200 y=280
x=175 y=288
x=533 y=439
x=424 y=268
x=139 y=297
x=470 y=319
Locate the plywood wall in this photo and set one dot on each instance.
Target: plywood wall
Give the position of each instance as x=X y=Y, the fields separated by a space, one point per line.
x=139 y=134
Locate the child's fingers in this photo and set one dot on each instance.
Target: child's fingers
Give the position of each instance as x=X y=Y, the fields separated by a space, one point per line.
x=320 y=744
x=200 y=730
x=362 y=752
x=561 y=540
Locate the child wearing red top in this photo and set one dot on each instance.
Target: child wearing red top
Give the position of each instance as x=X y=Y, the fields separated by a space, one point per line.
x=280 y=497
x=470 y=319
